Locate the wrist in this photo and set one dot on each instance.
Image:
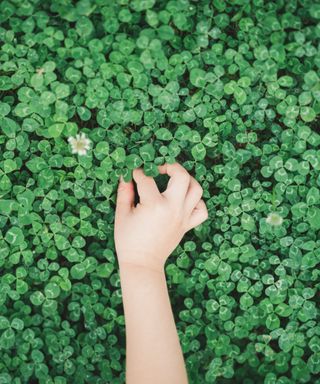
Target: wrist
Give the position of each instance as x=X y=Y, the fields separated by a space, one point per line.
x=150 y=267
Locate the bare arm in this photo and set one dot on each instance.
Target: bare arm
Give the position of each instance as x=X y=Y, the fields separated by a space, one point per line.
x=145 y=236
x=153 y=349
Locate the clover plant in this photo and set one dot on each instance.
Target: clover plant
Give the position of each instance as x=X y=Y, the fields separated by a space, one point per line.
x=91 y=90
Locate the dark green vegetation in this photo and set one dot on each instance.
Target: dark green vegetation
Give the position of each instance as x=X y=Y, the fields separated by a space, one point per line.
x=231 y=90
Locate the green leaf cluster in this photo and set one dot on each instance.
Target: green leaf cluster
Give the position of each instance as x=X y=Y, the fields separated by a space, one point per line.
x=230 y=90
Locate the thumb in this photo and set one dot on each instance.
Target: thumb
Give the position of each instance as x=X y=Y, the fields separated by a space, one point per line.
x=125 y=197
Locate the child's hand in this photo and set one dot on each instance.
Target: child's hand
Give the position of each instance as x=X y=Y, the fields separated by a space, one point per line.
x=146 y=235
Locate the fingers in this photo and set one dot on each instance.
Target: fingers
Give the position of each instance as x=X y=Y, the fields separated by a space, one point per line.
x=193 y=197
x=125 y=198
x=147 y=188
x=179 y=181
x=198 y=215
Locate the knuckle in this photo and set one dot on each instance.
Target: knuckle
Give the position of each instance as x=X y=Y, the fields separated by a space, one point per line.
x=138 y=172
x=121 y=188
x=205 y=213
x=185 y=176
x=199 y=189
x=179 y=168
x=143 y=178
x=176 y=216
x=158 y=205
x=158 y=202
x=178 y=220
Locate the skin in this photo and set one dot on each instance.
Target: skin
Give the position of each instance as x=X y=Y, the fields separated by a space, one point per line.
x=145 y=236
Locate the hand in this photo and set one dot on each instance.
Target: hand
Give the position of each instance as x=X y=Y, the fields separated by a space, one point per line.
x=147 y=234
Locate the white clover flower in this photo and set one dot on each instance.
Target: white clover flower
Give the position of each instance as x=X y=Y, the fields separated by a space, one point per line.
x=40 y=71
x=80 y=144
x=274 y=219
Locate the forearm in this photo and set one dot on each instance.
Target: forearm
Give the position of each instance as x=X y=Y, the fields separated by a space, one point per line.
x=153 y=351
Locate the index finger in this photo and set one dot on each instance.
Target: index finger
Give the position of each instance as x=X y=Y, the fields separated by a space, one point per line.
x=146 y=186
x=179 y=181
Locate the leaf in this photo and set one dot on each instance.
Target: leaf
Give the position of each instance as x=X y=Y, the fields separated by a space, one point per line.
x=165 y=32
x=21 y=286
x=4 y=109
x=210 y=140
x=247 y=222
x=283 y=310
x=198 y=77
x=313 y=196
x=281 y=175
x=307 y=114
x=9 y=127
x=5 y=83
x=147 y=152
x=230 y=87
x=36 y=80
x=78 y=242
x=133 y=161
x=309 y=260
x=313 y=361
x=17 y=324
x=37 y=298
x=244 y=82
x=85 y=212
x=9 y=165
x=4 y=323
x=73 y=75
x=72 y=255
x=36 y=164
x=104 y=270
x=37 y=356
x=240 y=95
x=61 y=242
x=314 y=10
x=285 y=81
x=313 y=217
x=78 y=271
x=7 y=339
x=163 y=134
x=198 y=152
x=261 y=52
x=47 y=97
x=272 y=322
x=56 y=129
x=150 y=169
x=141 y=5
x=299 y=209
x=118 y=155
x=52 y=290
x=211 y=265
x=305 y=98
x=124 y=79
x=23 y=109
x=14 y=236
x=84 y=26
x=62 y=91
x=287 y=341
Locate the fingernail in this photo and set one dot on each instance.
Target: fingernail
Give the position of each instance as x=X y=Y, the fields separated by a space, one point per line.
x=121 y=179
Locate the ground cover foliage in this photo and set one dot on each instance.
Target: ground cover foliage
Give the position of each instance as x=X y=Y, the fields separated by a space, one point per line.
x=231 y=90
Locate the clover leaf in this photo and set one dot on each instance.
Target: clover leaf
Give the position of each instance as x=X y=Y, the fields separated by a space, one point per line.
x=14 y=236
